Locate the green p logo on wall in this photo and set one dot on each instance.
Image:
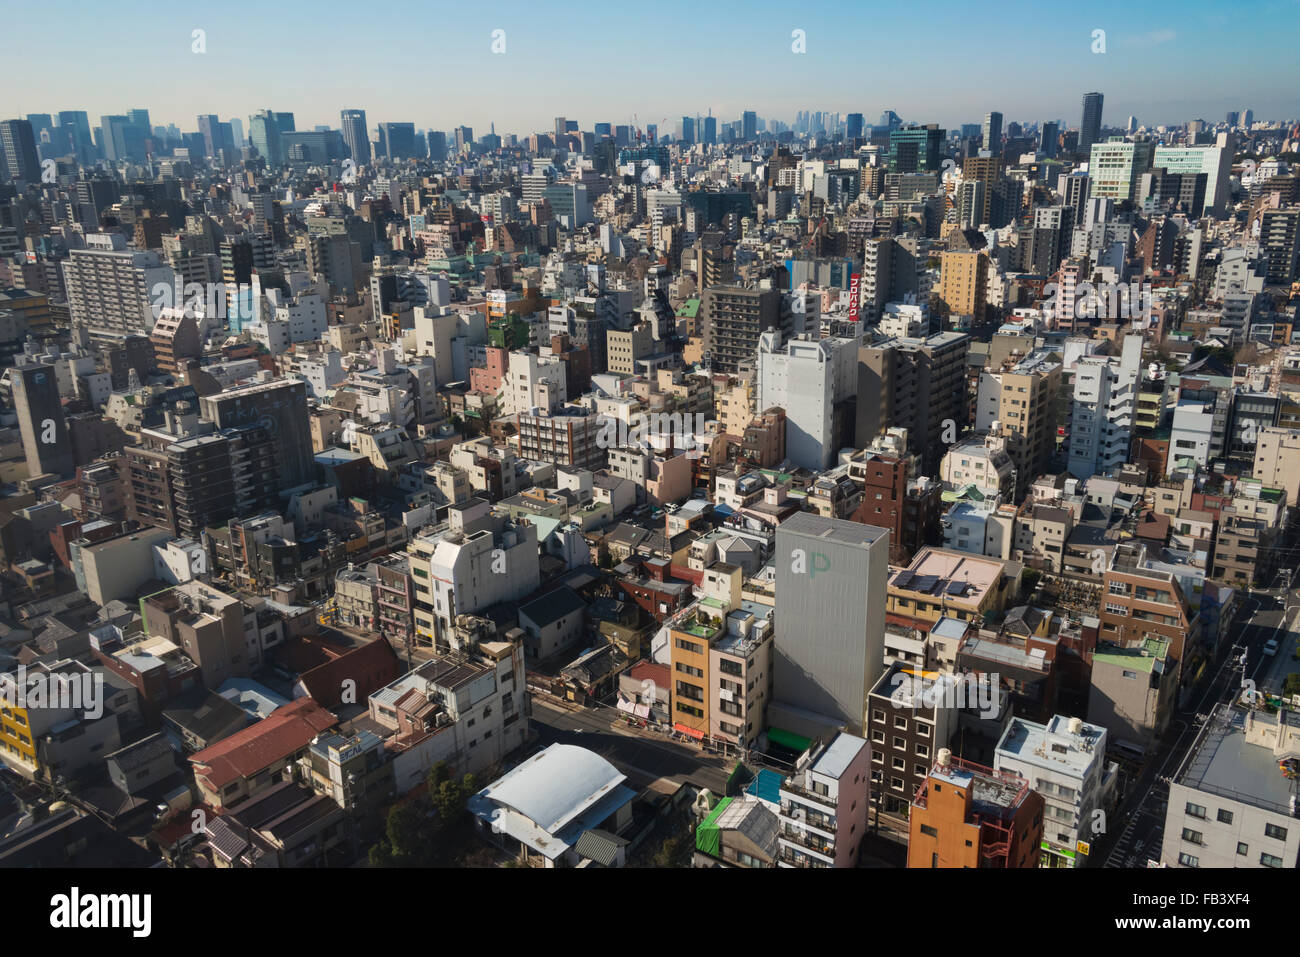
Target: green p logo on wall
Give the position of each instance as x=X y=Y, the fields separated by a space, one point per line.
x=799 y=563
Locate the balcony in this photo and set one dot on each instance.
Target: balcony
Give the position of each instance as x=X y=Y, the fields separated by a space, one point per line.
x=811 y=842
x=790 y=858
x=801 y=815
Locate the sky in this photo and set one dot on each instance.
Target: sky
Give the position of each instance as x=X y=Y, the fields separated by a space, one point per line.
x=432 y=63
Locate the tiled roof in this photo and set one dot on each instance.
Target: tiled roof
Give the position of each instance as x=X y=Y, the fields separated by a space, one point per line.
x=258 y=746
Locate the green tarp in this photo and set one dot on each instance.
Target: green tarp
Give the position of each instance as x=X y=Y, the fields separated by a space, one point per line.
x=787 y=739
x=708 y=837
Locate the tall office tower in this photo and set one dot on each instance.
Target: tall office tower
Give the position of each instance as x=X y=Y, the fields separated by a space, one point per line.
x=651 y=133
x=40 y=121
x=1231 y=118
x=688 y=130
x=890 y=120
x=264 y=133
x=81 y=138
x=622 y=135
x=831 y=581
x=603 y=129
x=853 y=126
x=992 y=132
x=749 y=126
x=1247 y=118
x=561 y=128
x=1116 y=167
x=963 y=283
x=18 y=151
x=1132 y=125
x=284 y=122
x=815 y=381
x=710 y=131
x=279 y=406
x=1101 y=416
x=209 y=125
x=915 y=384
x=888 y=275
x=915 y=149
x=1279 y=239
x=113 y=129
x=437 y=145
x=1090 y=128
x=1048 y=138
x=111 y=289
x=464 y=139
x=356 y=136
x=44 y=431
x=1020 y=404
x=399 y=139
x=237 y=132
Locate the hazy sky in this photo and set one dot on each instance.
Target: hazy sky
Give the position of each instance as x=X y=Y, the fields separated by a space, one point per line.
x=432 y=63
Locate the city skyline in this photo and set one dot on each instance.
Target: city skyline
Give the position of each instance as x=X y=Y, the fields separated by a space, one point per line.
x=1144 y=69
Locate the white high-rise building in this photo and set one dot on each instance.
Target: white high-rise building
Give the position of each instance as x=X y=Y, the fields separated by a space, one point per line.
x=807 y=378
x=111 y=289
x=1101 y=420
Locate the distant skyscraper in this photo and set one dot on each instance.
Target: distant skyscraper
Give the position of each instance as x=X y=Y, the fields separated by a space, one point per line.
x=284 y=123
x=1090 y=128
x=749 y=126
x=237 y=132
x=437 y=145
x=1048 y=140
x=710 y=131
x=1132 y=125
x=992 y=131
x=464 y=139
x=853 y=126
x=890 y=120
x=399 y=139
x=264 y=132
x=652 y=132
x=79 y=122
x=1247 y=118
x=1231 y=117
x=356 y=136
x=688 y=129
x=18 y=150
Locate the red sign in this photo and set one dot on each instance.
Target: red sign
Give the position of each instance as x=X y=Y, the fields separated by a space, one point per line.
x=690 y=731
x=855 y=284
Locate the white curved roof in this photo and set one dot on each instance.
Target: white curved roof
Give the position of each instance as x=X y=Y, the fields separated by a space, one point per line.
x=556 y=785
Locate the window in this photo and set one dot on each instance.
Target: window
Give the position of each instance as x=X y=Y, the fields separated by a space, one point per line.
x=1195 y=810
x=1268 y=860
x=929 y=831
x=1186 y=860
x=1192 y=837
x=1243 y=849
x=1275 y=832
x=1225 y=817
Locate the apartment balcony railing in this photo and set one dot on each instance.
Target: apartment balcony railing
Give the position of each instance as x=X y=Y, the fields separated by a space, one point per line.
x=811 y=841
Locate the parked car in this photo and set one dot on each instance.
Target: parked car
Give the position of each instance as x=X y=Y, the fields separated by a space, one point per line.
x=1270 y=646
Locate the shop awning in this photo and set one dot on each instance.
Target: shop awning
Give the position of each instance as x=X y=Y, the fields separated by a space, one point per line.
x=698 y=735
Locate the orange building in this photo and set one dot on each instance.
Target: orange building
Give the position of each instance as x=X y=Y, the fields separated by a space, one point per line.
x=967 y=815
